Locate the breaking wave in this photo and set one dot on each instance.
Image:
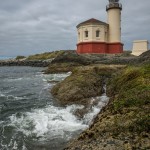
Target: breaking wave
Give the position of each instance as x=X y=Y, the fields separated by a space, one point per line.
x=32 y=120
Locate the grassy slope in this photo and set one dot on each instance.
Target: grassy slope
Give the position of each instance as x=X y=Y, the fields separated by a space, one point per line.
x=125 y=122
x=45 y=56
x=130 y=91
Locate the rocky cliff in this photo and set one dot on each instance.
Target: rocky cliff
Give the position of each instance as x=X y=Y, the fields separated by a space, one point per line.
x=124 y=124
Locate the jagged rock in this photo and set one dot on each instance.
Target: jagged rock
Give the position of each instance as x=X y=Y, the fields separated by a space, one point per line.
x=124 y=123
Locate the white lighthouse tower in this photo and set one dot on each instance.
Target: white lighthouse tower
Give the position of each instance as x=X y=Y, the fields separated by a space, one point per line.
x=114 y=20
x=95 y=36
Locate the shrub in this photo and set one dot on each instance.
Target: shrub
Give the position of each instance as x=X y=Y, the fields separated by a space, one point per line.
x=20 y=57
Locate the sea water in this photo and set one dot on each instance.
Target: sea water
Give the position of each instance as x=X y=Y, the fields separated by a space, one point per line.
x=6 y=57
x=30 y=118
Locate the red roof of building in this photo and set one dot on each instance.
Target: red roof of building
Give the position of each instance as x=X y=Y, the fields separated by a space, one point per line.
x=91 y=21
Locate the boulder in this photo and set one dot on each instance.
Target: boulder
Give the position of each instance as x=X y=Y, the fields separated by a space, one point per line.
x=84 y=82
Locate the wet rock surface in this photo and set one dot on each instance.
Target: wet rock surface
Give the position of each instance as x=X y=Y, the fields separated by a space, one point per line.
x=124 y=123
x=84 y=82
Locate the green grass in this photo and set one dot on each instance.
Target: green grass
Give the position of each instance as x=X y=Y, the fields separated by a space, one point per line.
x=20 y=57
x=45 y=56
x=132 y=87
x=130 y=90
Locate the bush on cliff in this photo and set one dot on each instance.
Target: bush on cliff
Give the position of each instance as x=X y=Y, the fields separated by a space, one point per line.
x=20 y=57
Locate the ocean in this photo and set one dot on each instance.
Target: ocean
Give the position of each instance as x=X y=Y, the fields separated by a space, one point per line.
x=6 y=57
x=30 y=118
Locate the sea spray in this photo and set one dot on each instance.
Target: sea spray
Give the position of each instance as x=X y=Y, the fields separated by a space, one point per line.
x=30 y=117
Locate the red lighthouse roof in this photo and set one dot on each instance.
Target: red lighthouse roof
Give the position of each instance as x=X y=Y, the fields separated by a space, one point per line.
x=91 y=21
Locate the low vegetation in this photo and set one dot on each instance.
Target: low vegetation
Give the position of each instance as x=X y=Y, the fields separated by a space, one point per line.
x=61 y=67
x=126 y=53
x=45 y=56
x=125 y=123
x=130 y=90
x=20 y=57
x=132 y=85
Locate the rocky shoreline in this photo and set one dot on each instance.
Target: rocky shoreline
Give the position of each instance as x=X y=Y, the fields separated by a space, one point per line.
x=124 y=123
x=32 y=63
x=66 y=57
x=66 y=60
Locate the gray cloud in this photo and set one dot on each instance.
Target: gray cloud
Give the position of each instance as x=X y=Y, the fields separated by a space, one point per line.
x=35 y=26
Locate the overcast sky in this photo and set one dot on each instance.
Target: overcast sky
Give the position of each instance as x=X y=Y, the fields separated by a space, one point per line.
x=36 y=26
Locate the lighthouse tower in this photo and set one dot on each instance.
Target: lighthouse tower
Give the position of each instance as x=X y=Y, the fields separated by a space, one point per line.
x=95 y=36
x=114 y=20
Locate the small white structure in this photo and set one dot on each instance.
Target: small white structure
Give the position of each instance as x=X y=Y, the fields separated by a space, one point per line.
x=139 y=47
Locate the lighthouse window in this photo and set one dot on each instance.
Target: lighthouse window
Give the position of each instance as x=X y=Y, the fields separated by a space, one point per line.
x=79 y=35
x=86 y=33
x=97 y=33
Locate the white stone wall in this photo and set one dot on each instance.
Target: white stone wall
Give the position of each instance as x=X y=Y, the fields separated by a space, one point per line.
x=139 y=47
x=103 y=37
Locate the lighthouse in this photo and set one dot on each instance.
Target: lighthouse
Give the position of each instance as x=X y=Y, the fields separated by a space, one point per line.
x=95 y=36
x=114 y=9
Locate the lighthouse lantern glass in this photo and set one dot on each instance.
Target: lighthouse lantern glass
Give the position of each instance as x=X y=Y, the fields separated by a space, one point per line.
x=113 y=1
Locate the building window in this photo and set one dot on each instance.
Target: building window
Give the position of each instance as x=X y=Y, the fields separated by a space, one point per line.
x=86 y=33
x=97 y=33
x=79 y=35
x=105 y=36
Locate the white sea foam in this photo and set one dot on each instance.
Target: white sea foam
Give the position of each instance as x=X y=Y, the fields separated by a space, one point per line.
x=56 y=77
x=14 y=79
x=24 y=147
x=12 y=97
x=15 y=146
x=1 y=122
x=51 y=121
x=2 y=95
x=102 y=101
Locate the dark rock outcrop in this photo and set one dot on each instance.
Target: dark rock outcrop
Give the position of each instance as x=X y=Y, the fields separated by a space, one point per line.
x=67 y=61
x=35 y=63
x=83 y=83
x=71 y=56
x=144 y=57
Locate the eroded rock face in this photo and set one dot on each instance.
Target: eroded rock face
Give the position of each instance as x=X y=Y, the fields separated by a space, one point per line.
x=66 y=62
x=79 y=86
x=144 y=58
x=72 y=57
x=35 y=63
x=61 y=67
x=124 y=123
x=83 y=83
